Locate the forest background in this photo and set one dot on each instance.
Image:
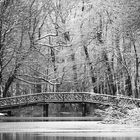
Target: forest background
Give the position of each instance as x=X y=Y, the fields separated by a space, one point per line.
x=69 y=46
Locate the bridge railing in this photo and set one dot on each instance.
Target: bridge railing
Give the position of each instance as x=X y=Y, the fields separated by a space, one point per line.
x=50 y=97
x=66 y=97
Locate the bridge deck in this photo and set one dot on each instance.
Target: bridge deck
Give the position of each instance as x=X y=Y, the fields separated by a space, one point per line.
x=65 y=97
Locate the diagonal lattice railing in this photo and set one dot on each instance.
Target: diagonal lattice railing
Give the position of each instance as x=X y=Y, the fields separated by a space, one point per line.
x=65 y=97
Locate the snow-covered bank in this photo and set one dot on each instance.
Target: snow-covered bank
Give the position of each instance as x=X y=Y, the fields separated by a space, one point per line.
x=123 y=116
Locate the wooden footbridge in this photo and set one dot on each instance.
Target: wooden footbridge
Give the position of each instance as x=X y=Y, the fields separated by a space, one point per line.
x=64 y=97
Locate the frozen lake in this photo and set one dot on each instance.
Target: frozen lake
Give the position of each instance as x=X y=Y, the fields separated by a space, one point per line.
x=67 y=130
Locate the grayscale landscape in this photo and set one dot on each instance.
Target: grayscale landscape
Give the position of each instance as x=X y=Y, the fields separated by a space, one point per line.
x=69 y=69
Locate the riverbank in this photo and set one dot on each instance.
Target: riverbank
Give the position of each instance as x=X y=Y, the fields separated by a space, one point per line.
x=70 y=127
x=16 y=119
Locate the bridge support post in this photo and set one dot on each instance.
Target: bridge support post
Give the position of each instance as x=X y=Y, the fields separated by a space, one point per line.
x=45 y=110
x=9 y=113
x=83 y=109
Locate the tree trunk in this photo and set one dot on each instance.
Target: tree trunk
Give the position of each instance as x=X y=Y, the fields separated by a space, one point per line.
x=110 y=82
x=55 y=87
x=7 y=85
x=17 y=88
x=93 y=79
x=74 y=68
x=3 y=6
x=121 y=62
x=137 y=70
x=137 y=78
x=1 y=52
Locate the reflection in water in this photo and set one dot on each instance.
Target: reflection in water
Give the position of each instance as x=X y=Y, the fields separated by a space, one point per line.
x=33 y=136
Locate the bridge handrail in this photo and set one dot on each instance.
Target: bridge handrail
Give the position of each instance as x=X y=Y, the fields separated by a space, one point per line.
x=66 y=97
x=91 y=93
x=25 y=95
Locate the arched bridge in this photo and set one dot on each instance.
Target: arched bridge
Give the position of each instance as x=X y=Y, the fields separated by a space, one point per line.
x=65 y=97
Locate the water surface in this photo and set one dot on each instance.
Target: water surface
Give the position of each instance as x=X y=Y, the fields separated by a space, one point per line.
x=67 y=130
x=44 y=136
